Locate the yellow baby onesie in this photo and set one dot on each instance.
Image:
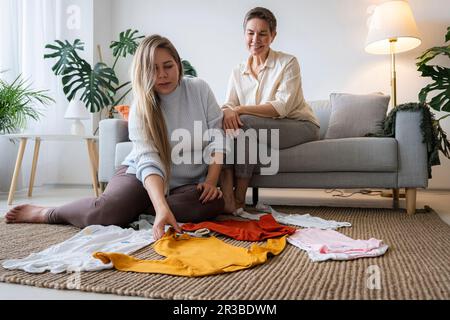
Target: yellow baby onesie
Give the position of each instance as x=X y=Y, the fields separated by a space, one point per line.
x=193 y=257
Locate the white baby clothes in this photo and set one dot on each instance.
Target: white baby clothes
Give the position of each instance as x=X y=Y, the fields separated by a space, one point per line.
x=75 y=254
x=146 y=222
x=324 y=245
x=301 y=220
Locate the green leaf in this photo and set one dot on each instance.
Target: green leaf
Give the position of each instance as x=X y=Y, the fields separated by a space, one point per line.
x=188 y=69
x=66 y=52
x=96 y=86
x=93 y=83
x=438 y=101
x=18 y=104
x=439 y=88
x=127 y=43
x=424 y=92
x=446 y=106
x=431 y=54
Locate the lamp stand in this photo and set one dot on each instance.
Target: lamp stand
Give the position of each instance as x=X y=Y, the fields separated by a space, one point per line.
x=395 y=193
x=77 y=128
x=392 y=43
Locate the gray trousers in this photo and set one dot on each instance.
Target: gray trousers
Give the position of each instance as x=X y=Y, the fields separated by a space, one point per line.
x=291 y=133
x=125 y=198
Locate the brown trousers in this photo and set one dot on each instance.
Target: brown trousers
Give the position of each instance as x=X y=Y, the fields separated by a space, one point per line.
x=125 y=198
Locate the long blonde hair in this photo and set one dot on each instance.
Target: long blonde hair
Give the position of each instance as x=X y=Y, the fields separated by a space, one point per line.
x=148 y=106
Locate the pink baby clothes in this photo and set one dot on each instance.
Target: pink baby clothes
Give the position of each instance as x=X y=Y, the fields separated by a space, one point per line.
x=323 y=245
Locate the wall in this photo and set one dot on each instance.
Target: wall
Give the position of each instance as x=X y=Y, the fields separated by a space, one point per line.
x=327 y=36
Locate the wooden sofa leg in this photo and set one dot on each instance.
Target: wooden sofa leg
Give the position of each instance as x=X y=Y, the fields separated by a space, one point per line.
x=411 y=200
x=395 y=194
x=255 y=196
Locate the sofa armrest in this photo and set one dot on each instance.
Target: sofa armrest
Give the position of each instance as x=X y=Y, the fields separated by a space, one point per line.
x=111 y=132
x=412 y=151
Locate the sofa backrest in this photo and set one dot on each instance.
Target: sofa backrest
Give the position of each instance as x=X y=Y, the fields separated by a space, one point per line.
x=322 y=110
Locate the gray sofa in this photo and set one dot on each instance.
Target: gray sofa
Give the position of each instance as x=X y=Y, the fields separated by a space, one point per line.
x=365 y=162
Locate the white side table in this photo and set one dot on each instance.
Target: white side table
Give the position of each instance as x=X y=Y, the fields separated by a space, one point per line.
x=23 y=137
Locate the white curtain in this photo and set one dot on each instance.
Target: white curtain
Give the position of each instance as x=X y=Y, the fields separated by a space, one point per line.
x=26 y=27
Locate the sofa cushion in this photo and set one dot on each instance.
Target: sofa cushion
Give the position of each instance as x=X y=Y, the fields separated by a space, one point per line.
x=337 y=155
x=122 y=150
x=355 y=115
x=341 y=155
x=322 y=110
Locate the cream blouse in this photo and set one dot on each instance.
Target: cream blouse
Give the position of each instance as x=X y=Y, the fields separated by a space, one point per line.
x=278 y=83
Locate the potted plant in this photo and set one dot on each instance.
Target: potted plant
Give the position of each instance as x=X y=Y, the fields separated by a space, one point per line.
x=99 y=86
x=440 y=87
x=17 y=104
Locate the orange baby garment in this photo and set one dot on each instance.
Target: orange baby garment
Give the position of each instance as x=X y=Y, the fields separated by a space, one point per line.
x=266 y=227
x=193 y=257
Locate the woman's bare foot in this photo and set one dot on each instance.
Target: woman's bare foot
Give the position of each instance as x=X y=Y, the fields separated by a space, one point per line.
x=229 y=203
x=226 y=186
x=27 y=213
x=240 y=192
x=240 y=204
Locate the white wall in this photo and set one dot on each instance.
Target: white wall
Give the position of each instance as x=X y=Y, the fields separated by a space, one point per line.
x=327 y=36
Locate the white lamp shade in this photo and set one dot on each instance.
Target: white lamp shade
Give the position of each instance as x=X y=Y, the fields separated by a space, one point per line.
x=392 y=20
x=76 y=110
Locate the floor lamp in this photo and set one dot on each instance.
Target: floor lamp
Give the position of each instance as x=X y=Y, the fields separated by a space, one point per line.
x=392 y=30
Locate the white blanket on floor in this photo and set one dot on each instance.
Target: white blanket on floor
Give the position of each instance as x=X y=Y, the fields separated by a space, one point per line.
x=75 y=254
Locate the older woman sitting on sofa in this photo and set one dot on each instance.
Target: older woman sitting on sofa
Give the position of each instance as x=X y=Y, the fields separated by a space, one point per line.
x=264 y=92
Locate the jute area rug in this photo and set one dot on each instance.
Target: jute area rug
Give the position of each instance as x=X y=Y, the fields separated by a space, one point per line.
x=416 y=266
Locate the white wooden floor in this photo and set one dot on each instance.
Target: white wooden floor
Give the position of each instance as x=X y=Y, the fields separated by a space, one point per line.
x=439 y=200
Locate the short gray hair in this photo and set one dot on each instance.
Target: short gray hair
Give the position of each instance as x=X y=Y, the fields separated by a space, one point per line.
x=263 y=14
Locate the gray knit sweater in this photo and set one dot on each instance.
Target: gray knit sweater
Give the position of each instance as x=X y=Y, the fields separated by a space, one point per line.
x=191 y=101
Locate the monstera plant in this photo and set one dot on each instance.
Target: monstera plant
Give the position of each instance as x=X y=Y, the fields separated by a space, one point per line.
x=439 y=75
x=98 y=85
x=440 y=87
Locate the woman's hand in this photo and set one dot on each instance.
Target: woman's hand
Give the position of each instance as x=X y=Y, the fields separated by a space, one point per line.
x=164 y=216
x=231 y=120
x=210 y=192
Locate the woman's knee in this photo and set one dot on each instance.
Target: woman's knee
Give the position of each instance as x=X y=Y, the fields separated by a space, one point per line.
x=187 y=206
x=212 y=209
x=250 y=121
x=108 y=212
x=207 y=211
